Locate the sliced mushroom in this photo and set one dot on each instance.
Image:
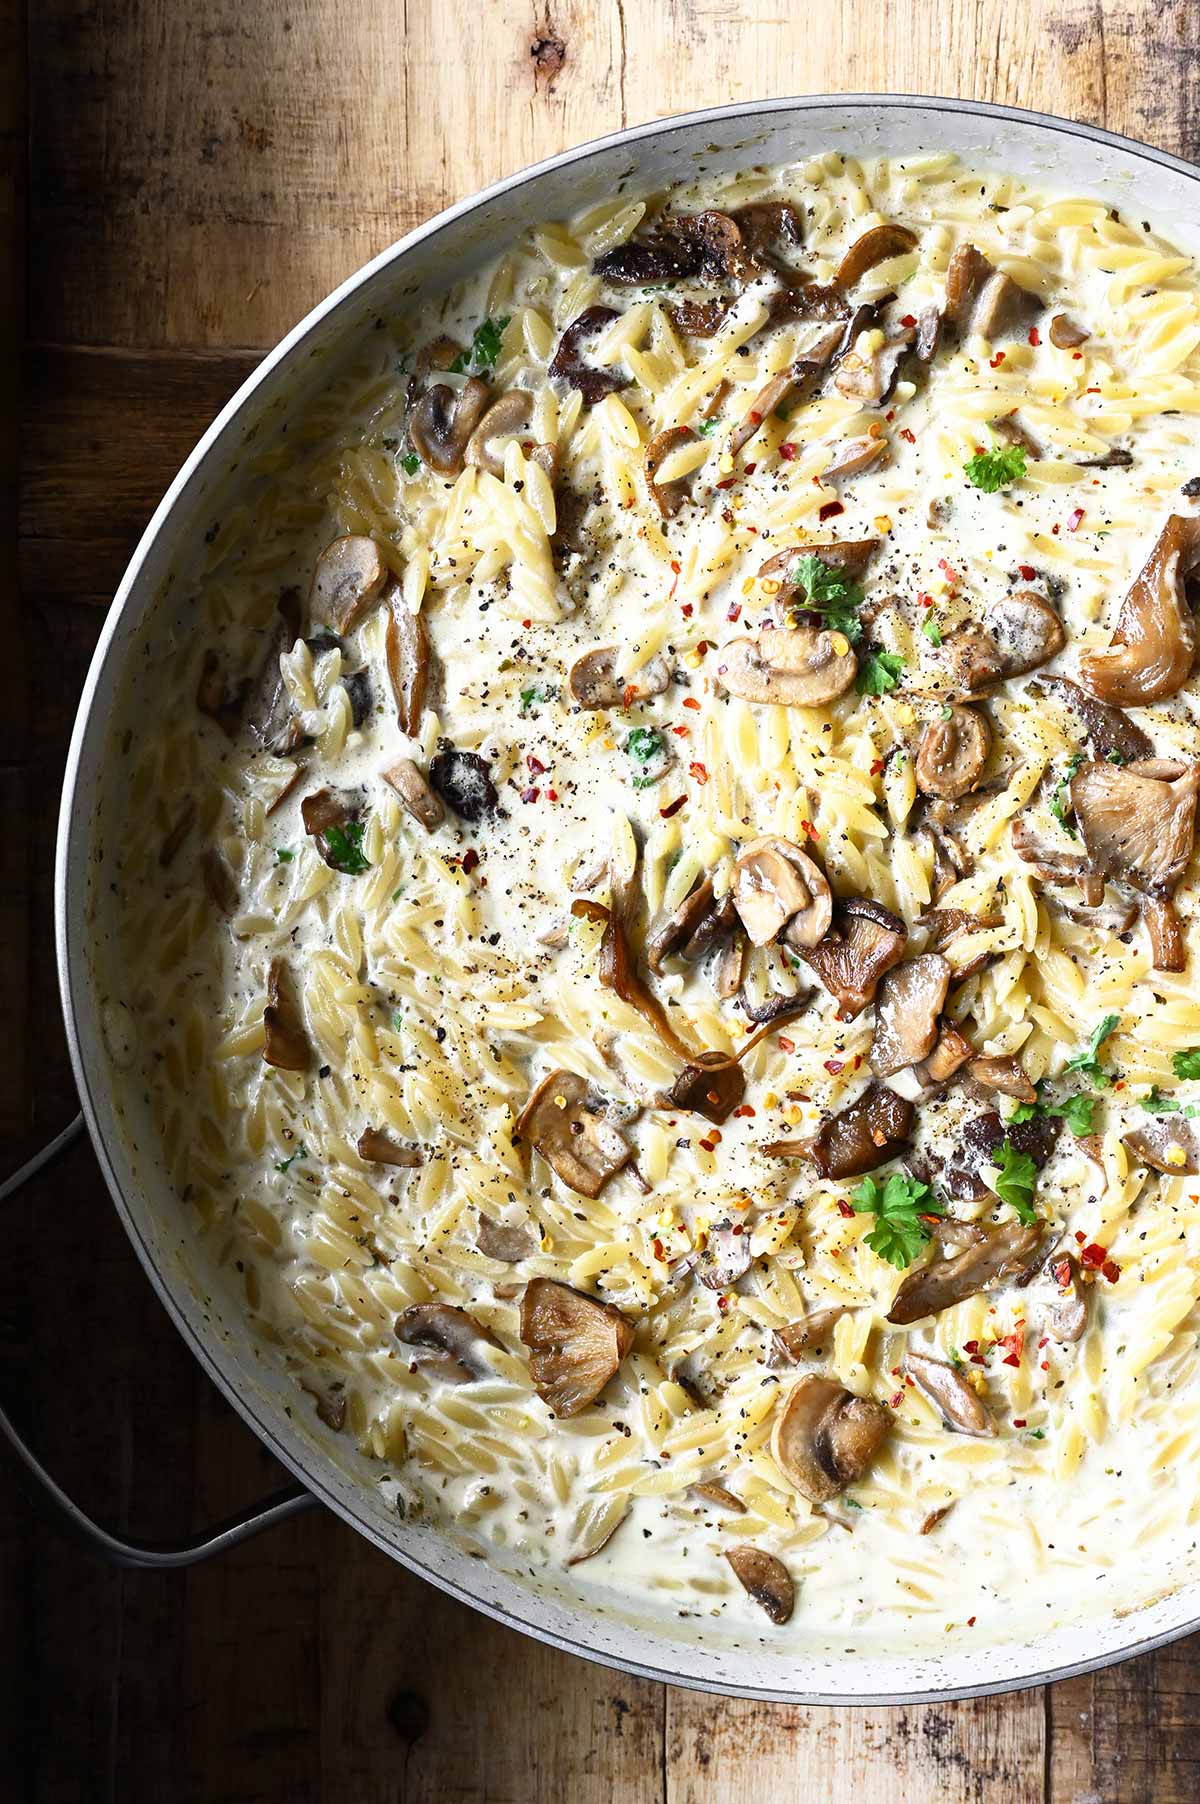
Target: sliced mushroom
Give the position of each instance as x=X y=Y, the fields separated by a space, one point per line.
x=852 y=456
x=764 y=223
x=464 y=782
x=504 y=419
x=568 y=1125
x=286 y=1044
x=1113 y=459
x=777 y=889
x=568 y=363
x=858 y=1139
x=668 y=497
x=644 y=263
x=712 y=1087
x=594 y=684
x=801 y=668
x=699 y=319
x=910 y=1000
x=877 y=245
x=1154 y=645
x=673 y=931
x=952 y=754
x=1110 y=731
x=442 y=422
x=949 y=925
x=1138 y=829
x=507 y=1242
x=1022 y=632
x=1005 y=1252
x=765 y=1578
x=714 y=1493
x=348 y=581
x=576 y=1344
x=983 y=1136
x=378 y=1148
x=449 y=1343
x=865 y=940
x=266 y=703
x=1065 y=335
x=726 y=1256
x=409 y=784
x=776 y=392
x=408 y=660
x=220 y=885
x=441 y=353
x=1060 y=867
x=1167 y=947
x=327 y=813
x=1013 y=433
x=929 y=334
x=1067 y=1318
x=1110 y=917
x=1168 y=1143
x=803 y=1339
x=950 y=1053
x=724 y=250
x=961 y=1406
x=825 y=1437
x=850 y=557
x=980 y=299
x=1007 y=1075
x=870 y=378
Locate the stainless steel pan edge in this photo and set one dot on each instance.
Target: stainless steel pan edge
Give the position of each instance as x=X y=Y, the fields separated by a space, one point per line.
x=1063 y=153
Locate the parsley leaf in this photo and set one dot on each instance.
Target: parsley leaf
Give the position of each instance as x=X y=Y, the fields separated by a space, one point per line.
x=1076 y=1111
x=1060 y=801
x=831 y=593
x=1186 y=1064
x=997 y=468
x=301 y=1152
x=283 y=856
x=537 y=692
x=485 y=348
x=1088 y=1063
x=706 y=428
x=344 y=848
x=879 y=672
x=1017 y=1181
x=931 y=630
x=898 y=1205
x=1156 y=1103
x=647 y=751
x=410 y=463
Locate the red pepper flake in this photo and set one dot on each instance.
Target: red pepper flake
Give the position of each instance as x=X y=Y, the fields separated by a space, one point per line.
x=734 y=611
x=948 y=571
x=908 y=319
x=787 y=450
x=924 y=600
x=1055 y=529
x=527 y=624
x=722 y=1304
x=1111 y=1270
x=659 y=1250
x=552 y=795
x=1026 y=572
x=878 y=765
x=743 y=1111
x=686 y=609
x=727 y=484
x=1018 y=1421
x=808 y=828
x=835 y=1067
x=530 y=795
x=906 y=434
x=750 y=469
x=709 y=1145
x=470 y=859
x=890 y=415
x=698 y=773
x=1091 y=391
x=536 y=767
x=830 y=510
x=1013 y=1344
x=1034 y=337
x=680 y=732
x=689 y=701
x=1080 y=1236
x=1093 y=1256
x=845 y=1209
x=970 y=1346
x=997 y=360
x=1077 y=356
x=676 y=566
x=1075 y=521
x=786 y=1045
x=1062 y=1273
x=703 y=647
x=970 y=1622
x=673 y=807
x=896 y=1399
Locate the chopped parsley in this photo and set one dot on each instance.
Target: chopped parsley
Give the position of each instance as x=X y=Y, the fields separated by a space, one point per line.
x=879 y=672
x=647 y=752
x=301 y=1152
x=706 y=428
x=410 y=463
x=1076 y=1111
x=1060 y=801
x=1017 y=1181
x=344 y=851
x=485 y=348
x=931 y=630
x=997 y=468
x=537 y=692
x=1186 y=1064
x=398 y=1020
x=831 y=593
x=899 y=1207
x=1088 y=1063
x=283 y=855
x=1155 y=1103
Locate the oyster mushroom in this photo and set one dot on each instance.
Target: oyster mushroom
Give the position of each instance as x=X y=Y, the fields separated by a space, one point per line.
x=711 y=1086
x=1022 y=632
x=1110 y=731
x=764 y=1578
x=952 y=754
x=910 y=1000
x=505 y=418
x=1007 y=1075
x=505 y=1242
x=1059 y=867
x=448 y=1342
x=776 y=392
x=408 y=661
x=777 y=888
x=1010 y=1251
x=576 y=1344
x=378 y=1148
x=1065 y=335
x=962 y=1407
x=464 y=782
x=1154 y=645
x=442 y=422
x=568 y=363
x=877 y=245
x=668 y=497
x=929 y=334
x=803 y=1339
x=870 y=378
x=286 y=1045
x=798 y=668
x=406 y=779
x=950 y=1053
x=568 y=1125
x=1166 y=1142
x=980 y=299
x=645 y=262
x=594 y=684
x=347 y=582
x=699 y=319
x=1137 y=829
x=869 y=1133
x=330 y=816
x=726 y=1256
x=947 y=926
x=1167 y=948
x=825 y=1437
x=765 y=223
x=1067 y=1317
x=672 y=931
x=865 y=940
x=853 y=455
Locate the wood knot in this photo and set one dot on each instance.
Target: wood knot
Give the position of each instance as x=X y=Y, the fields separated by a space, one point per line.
x=408 y=1714
x=549 y=54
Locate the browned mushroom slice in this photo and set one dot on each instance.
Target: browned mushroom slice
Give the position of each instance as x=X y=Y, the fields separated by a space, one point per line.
x=764 y=223
x=1022 y=632
x=980 y=299
x=877 y=245
x=1060 y=867
x=378 y=1148
x=726 y=1256
x=1167 y=947
x=464 y=782
x=505 y=418
x=949 y=925
x=803 y=1339
x=673 y=931
x=645 y=262
x=1166 y=1142
x=961 y=1406
x=825 y=1437
x=568 y=363
x=1067 y=1317
x=327 y=814
x=1154 y=645
x=619 y=972
x=865 y=941
x=219 y=884
x=594 y=684
x=870 y=378
x=950 y=1053
x=714 y=1493
x=1065 y=335
x=858 y=1139
x=765 y=1579
x=1007 y=1075
x=929 y=334
x=668 y=497
x=441 y=353
x=849 y=556
x=853 y=455
x=1109 y=917
x=910 y=1000
x=779 y=889
x=442 y=422
x=699 y=319
x=576 y=1344
x=1137 y=829
x=1005 y=1252
x=408 y=662
x=448 y=1342
x=409 y=784
x=570 y=1129
x=347 y=582
x=1110 y=731
x=712 y=1087
x=507 y=1242
x=800 y=668
x=729 y=972
x=952 y=754
x=724 y=251
x=776 y=392
x=286 y=1043
x=1012 y=432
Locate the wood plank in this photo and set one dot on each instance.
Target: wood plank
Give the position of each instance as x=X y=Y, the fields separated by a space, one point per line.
x=1130 y=1733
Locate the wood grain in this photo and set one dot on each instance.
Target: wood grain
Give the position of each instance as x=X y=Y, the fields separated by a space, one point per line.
x=197 y=177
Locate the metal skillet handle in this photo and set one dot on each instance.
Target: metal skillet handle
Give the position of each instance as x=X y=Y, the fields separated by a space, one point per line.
x=114 y=1548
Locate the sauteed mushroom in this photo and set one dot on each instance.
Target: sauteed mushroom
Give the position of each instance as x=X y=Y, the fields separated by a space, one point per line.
x=408 y=660
x=1168 y=1143
x=1007 y=1075
x=442 y=422
x=1065 y=335
x=950 y=1053
x=1009 y=1251
x=800 y=668
x=780 y=889
x=877 y=245
x=1165 y=929
x=952 y=754
x=464 y=782
x=980 y=299
x=668 y=497
x=1154 y=645
x=286 y=1044
x=776 y=392
x=406 y=779
x=508 y=1243
x=825 y=1437
x=643 y=263
x=798 y=1340
x=961 y=1406
x=1067 y=1319
x=1136 y=829
x=568 y=363
x=1109 y=729
x=1022 y=632
x=869 y=377
x=765 y=1578
x=852 y=456
x=504 y=419
x=674 y=930
x=327 y=815
x=593 y=680
x=860 y=1138
x=347 y=582
x=865 y=940
x=448 y=1342
x=726 y=1256
x=910 y=1000
x=568 y=1125
x=378 y=1148
x=576 y=1344
x=711 y=1086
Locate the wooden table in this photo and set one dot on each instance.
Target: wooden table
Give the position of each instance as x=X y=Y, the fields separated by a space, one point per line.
x=184 y=179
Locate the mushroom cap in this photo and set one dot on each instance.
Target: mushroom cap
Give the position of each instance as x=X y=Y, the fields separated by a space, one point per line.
x=593 y=681
x=713 y=1087
x=1007 y=1075
x=641 y=262
x=1008 y=1251
x=1168 y=1143
x=568 y=1126
x=347 y=581
x=952 y=754
x=802 y=667
x=672 y=931
x=910 y=1000
x=870 y=378
x=449 y=1341
x=1154 y=645
x=1065 y=335
x=286 y=1045
x=409 y=784
x=507 y=1242
x=873 y=246
x=1136 y=829
x=962 y=1407
x=1067 y=1318
x=852 y=455
x=568 y=363
x=726 y=1256
x=668 y=497
x=442 y=422
x=981 y=299
x=505 y=418
x=798 y=1340
x=1109 y=728
x=865 y=941
x=760 y=409
x=408 y=661
x=858 y=1139
x=575 y=1342
x=825 y=1437
x=777 y=886
x=764 y=1577
x=464 y=782
x=1022 y=632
